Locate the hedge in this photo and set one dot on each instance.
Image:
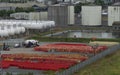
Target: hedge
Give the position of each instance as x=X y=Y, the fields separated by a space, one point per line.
x=82 y=40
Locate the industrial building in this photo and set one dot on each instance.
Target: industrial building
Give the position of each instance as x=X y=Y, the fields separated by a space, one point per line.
x=113 y=14
x=74 y=1
x=21 y=15
x=14 y=1
x=61 y=14
x=23 y=5
x=7 y=8
x=91 y=15
x=38 y=16
x=114 y=1
x=30 y=16
x=116 y=26
x=116 y=29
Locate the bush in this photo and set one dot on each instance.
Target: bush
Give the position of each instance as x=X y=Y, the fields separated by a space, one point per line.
x=82 y=40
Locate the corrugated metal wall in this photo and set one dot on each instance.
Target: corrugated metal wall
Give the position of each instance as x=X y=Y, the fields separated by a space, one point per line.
x=91 y=15
x=113 y=14
x=61 y=14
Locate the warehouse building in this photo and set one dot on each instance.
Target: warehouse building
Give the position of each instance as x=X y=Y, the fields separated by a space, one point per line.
x=91 y=15
x=113 y=14
x=38 y=16
x=21 y=15
x=14 y=1
x=30 y=16
x=116 y=28
x=22 y=5
x=61 y=14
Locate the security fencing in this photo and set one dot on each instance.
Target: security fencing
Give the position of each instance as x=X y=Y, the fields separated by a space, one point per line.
x=12 y=42
x=91 y=60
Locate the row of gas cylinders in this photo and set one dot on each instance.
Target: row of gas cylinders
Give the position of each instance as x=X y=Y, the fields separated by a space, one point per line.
x=29 y=24
x=8 y=30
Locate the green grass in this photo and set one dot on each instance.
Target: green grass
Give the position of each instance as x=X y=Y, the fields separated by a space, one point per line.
x=60 y=29
x=110 y=65
x=39 y=36
x=49 y=72
x=62 y=39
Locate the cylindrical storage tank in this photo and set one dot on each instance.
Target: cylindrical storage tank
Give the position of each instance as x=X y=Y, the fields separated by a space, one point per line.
x=1 y=34
x=91 y=15
x=52 y=23
x=30 y=25
x=27 y=24
x=3 y=31
x=113 y=14
x=39 y=25
x=44 y=24
x=22 y=29
x=10 y=30
x=17 y=31
x=36 y=26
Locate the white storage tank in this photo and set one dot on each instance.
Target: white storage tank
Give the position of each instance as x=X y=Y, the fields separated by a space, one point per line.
x=113 y=14
x=27 y=24
x=71 y=15
x=91 y=15
x=22 y=29
x=16 y=28
x=10 y=30
x=3 y=31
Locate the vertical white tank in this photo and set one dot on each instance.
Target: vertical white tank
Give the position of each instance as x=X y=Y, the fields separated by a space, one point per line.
x=3 y=31
x=91 y=15
x=71 y=15
x=113 y=14
x=10 y=30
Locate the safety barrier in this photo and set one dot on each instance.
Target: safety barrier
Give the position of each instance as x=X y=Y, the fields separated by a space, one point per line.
x=12 y=42
x=91 y=60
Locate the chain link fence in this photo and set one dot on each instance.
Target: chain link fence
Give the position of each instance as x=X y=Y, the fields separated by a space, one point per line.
x=12 y=42
x=91 y=60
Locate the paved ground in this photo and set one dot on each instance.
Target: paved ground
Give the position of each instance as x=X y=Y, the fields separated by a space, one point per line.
x=16 y=71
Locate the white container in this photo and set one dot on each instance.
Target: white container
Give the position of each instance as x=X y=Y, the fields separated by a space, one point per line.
x=16 y=28
x=91 y=15
x=10 y=30
x=27 y=24
x=3 y=32
x=113 y=14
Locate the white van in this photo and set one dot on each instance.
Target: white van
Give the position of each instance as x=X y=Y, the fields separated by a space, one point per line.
x=30 y=43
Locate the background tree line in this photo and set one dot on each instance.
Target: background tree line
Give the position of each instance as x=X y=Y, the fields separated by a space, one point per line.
x=6 y=13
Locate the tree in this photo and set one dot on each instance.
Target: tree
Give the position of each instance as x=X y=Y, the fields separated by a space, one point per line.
x=19 y=9
x=78 y=8
x=10 y=12
x=99 y=2
x=30 y=9
x=3 y=13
